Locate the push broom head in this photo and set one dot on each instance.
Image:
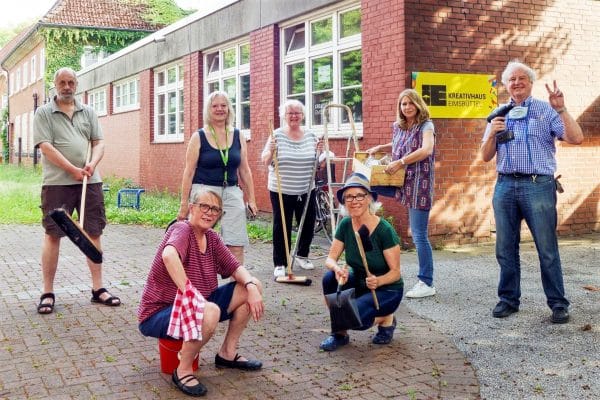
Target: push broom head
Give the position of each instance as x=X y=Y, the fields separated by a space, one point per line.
x=76 y=233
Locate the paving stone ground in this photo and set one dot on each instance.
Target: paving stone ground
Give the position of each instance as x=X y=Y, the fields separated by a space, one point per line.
x=90 y=351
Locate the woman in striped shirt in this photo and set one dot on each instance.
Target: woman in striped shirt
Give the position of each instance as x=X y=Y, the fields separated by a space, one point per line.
x=296 y=154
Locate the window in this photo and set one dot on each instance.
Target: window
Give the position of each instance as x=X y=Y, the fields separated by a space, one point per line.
x=12 y=84
x=18 y=81
x=91 y=56
x=168 y=104
x=97 y=100
x=33 y=76
x=42 y=63
x=25 y=74
x=325 y=66
x=126 y=95
x=228 y=69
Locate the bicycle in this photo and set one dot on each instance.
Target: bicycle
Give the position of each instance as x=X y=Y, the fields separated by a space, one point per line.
x=323 y=210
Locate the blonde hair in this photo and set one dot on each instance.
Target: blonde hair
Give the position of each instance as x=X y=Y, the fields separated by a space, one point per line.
x=208 y=104
x=417 y=100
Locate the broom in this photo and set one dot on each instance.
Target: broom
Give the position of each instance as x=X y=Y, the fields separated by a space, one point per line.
x=364 y=242
x=290 y=278
x=74 y=230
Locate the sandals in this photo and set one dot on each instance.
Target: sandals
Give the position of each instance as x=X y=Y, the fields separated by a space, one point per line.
x=111 y=301
x=385 y=334
x=46 y=308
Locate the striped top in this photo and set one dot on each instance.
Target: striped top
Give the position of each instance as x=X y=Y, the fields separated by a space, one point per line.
x=200 y=268
x=296 y=159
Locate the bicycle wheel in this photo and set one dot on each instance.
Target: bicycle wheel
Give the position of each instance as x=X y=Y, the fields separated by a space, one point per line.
x=323 y=215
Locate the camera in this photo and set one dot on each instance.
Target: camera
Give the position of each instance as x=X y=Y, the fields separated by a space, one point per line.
x=505 y=135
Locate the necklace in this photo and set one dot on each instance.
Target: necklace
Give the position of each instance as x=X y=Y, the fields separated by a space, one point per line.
x=224 y=152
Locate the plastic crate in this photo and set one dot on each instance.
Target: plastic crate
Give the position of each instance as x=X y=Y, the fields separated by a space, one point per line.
x=129 y=198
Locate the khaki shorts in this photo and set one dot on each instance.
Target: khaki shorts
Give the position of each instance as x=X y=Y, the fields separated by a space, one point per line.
x=233 y=221
x=69 y=198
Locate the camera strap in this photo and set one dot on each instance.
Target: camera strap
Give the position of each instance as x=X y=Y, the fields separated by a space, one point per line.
x=521 y=113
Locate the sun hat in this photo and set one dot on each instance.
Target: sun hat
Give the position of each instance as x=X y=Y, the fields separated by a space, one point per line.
x=355 y=180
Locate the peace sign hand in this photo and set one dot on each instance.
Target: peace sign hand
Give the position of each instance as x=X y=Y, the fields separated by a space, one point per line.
x=555 y=97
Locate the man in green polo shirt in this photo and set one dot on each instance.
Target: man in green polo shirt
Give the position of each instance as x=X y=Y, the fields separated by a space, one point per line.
x=63 y=130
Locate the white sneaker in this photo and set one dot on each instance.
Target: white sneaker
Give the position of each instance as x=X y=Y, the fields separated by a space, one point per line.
x=278 y=271
x=421 y=290
x=304 y=263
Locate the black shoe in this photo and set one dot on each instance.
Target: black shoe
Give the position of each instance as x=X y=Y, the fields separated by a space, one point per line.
x=195 y=391
x=503 y=310
x=560 y=315
x=250 y=365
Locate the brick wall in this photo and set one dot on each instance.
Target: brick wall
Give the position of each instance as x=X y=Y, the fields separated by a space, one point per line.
x=481 y=37
x=264 y=97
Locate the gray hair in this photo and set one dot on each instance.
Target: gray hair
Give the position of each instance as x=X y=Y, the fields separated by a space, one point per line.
x=513 y=66
x=196 y=196
x=208 y=103
x=65 y=69
x=289 y=103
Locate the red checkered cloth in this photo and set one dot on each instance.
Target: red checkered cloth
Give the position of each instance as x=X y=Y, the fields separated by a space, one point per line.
x=187 y=314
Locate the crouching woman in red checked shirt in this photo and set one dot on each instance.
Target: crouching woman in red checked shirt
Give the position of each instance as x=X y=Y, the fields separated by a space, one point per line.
x=185 y=268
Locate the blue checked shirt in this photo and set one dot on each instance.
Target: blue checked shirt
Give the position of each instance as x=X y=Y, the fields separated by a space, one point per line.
x=533 y=150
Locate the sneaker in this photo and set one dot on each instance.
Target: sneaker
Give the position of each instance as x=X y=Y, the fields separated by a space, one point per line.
x=420 y=290
x=278 y=271
x=334 y=340
x=304 y=263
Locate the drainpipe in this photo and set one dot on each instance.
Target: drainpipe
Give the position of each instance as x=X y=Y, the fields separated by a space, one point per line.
x=35 y=148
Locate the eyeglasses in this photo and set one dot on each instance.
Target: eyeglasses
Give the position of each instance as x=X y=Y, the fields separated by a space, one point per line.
x=294 y=114
x=358 y=197
x=205 y=208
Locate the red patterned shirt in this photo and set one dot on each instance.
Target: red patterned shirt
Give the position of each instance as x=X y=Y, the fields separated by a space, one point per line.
x=200 y=268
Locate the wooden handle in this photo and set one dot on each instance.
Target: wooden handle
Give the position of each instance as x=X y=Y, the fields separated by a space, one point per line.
x=361 y=250
x=84 y=186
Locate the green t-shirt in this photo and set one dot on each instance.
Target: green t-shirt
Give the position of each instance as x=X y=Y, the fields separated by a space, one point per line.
x=382 y=238
x=69 y=136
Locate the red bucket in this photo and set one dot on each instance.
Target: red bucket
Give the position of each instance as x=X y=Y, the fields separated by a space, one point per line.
x=168 y=350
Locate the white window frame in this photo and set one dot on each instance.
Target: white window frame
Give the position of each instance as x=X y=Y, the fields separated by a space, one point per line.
x=220 y=75
x=11 y=90
x=43 y=64
x=25 y=76
x=18 y=80
x=308 y=53
x=167 y=89
x=97 y=100
x=122 y=95
x=33 y=64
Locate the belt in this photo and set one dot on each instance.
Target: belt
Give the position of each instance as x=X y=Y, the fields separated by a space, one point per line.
x=518 y=175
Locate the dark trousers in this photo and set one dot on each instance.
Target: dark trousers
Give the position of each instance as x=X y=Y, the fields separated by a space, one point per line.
x=293 y=206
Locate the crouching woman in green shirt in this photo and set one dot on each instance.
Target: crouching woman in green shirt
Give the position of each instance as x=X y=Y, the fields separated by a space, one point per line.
x=383 y=261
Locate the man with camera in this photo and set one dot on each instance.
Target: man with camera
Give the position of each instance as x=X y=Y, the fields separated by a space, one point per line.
x=522 y=136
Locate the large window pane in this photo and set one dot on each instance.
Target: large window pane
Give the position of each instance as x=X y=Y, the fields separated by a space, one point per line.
x=322 y=73
x=245 y=88
x=229 y=88
x=353 y=99
x=213 y=87
x=350 y=23
x=171 y=75
x=229 y=58
x=351 y=68
x=294 y=38
x=244 y=54
x=181 y=111
x=320 y=100
x=245 y=116
x=320 y=31
x=296 y=78
x=212 y=62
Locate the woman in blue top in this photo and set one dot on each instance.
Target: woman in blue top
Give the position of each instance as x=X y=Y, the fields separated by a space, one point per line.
x=216 y=156
x=383 y=261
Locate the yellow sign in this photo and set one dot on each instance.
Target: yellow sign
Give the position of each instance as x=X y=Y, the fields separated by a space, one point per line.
x=457 y=95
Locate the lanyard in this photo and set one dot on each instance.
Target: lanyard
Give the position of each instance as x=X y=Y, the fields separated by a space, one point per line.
x=224 y=152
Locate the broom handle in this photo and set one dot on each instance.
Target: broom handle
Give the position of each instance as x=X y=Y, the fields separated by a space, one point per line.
x=84 y=185
x=281 y=209
x=361 y=250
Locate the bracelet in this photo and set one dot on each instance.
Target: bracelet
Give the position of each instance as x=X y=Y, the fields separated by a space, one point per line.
x=402 y=161
x=561 y=110
x=249 y=283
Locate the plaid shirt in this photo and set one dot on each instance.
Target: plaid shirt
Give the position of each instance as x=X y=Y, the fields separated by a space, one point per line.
x=187 y=314
x=533 y=149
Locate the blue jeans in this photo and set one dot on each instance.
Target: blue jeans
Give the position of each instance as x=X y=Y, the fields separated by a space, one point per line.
x=521 y=198
x=389 y=300
x=419 y=221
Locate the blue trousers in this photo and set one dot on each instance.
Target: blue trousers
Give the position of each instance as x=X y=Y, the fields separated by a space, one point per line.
x=515 y=199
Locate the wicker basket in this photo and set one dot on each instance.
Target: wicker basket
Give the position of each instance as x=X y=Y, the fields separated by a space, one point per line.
x=376 y=173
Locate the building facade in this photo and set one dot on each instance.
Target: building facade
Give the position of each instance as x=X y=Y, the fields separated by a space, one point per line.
x=360 y=53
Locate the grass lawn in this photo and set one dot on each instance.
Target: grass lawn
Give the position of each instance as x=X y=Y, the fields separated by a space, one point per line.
x=20 y=202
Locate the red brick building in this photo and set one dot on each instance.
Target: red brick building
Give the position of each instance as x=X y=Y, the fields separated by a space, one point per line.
x=262 y=52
